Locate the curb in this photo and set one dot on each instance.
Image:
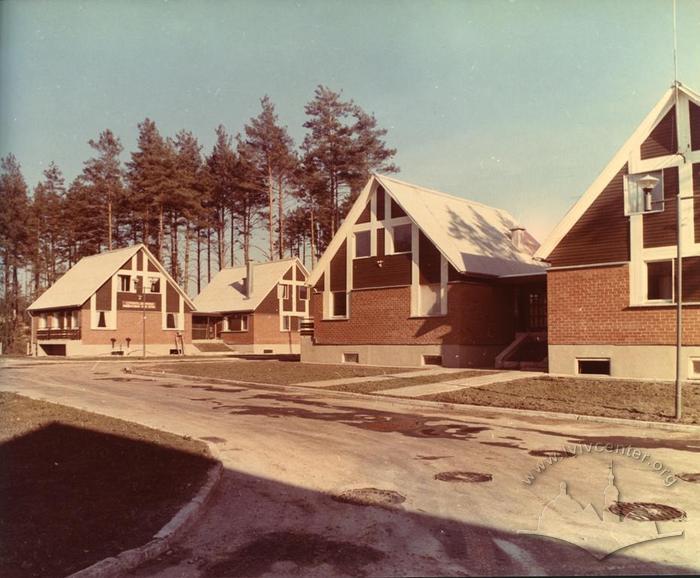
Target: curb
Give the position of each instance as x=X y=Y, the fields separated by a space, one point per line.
x=184 y=519
x=456 y=407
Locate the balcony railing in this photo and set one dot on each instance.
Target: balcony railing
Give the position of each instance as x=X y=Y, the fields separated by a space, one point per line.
x=58 y=334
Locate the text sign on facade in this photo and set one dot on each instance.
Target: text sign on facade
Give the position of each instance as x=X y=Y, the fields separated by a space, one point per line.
x=138 y=305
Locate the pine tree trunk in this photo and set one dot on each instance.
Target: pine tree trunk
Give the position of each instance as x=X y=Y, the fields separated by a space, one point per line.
x=313 y=239
x=174 y=256
x=220 y=239
x=271 y=203
x=161 y=232
x=109 y=221
x=186 y=266
x=199 y=260
x=233 y=235
x=208 y=255
x=280 y=216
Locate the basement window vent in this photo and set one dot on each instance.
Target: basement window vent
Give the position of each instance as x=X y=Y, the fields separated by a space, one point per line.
x=694 y=370
x=268 y=351
x=351 y=358
x=432 y=360
x=593 y=366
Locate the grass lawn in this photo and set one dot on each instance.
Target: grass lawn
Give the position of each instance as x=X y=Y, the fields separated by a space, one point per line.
x=382 y=384
x=272 y=371
x=77 y=487
x=603 y=397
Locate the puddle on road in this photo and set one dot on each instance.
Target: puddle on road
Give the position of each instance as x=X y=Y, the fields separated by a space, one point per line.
x=693 y=478
x=213 y=439
x=304 y=550
x=647 y=512
x=551 y=453
x=466 y=477
x=503 y=445
x=217 y=389
x=431 y=458
x=386 y=499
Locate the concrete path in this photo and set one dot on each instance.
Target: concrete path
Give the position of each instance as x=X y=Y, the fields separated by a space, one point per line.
x=350 y=380
x=288 y=452
x=455 y=384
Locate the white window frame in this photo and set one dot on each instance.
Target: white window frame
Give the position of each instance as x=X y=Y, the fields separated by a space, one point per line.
x=646 y=282
x=43 y=321
x=285 y=323
x=283 y=291
x=151 y=279
x=660 y=203
x=129 y=280
x=244 y=323
x=440 y=297
x=97 y=318
x=371 y=244
x=331 y=308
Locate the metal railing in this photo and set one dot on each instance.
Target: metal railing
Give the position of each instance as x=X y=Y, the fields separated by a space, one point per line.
x=58 y=334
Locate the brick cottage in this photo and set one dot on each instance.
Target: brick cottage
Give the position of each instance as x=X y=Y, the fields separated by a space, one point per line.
x=415 y=276
x=101 y=305
x=611 y=284
x=252 y=309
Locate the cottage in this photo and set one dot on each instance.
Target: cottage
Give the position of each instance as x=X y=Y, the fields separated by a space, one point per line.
x=415 y=276
x=254 y=308
x=611 y=284
x=106 y=304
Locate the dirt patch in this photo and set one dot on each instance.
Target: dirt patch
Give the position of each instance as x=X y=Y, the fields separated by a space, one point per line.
x=502 y=445
x=551 y=453
x=600 y=397
x=386 y=499
x=693 y=478
x=647 y=512
x=77 y=487
x=213 y=439
x=466 y=477
x=258 y=557
x=431 y=458
x=385 y=384
x=276 y=372
x=218 y=389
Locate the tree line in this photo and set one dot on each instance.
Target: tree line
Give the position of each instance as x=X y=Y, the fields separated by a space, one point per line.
x=197 y=212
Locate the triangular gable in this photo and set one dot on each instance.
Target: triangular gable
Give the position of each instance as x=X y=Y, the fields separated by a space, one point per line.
x=84 y=278
x=623 y=156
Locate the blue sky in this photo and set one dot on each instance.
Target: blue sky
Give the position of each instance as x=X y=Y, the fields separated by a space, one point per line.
x=518 y=104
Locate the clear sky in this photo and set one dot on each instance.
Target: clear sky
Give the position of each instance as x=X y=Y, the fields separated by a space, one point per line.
x=518 y=103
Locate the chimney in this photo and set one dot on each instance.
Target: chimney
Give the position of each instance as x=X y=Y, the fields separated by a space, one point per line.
x=517 y=236
x=249 y=277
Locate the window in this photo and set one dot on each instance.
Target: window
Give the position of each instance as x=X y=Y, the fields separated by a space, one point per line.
x=237 y=322
x=363 y=244
x=286 y=323
x=154 y=284
x=660 y=281
x=593 y=366
x=430 y=300
x=339 y=304
x=43 y=321
x=351 y=358
x=171 y=320
x=101 y=319
x=432 y=360
x=283 y=291
x=401 y=235
x=303 y=293
x=694 y=369
x=75 y=322
x=125 y=283
x=639 y=201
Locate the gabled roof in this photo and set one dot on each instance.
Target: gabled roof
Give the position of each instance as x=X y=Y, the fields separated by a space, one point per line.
x=78 y=284
x=227 y=290
x=473 y=237
x=614 y=166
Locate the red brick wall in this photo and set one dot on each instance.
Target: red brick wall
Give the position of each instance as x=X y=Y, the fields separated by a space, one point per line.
x=591 y=306
x=478 y=314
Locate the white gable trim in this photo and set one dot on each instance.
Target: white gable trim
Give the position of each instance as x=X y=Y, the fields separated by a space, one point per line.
x=162 y=270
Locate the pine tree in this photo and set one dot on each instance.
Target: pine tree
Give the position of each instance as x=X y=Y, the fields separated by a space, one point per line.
x=104 y=176
x=273 y=154
x=48 y=228
x=342 y=147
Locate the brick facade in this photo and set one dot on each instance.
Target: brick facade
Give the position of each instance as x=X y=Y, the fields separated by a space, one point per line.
x=591 y=306
x=478 y=314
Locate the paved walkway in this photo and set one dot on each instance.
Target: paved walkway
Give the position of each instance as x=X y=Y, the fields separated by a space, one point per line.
x=414 y=373
x=462 y=383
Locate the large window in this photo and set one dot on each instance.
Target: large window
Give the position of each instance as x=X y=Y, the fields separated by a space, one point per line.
x=125 y=283
x=339 y=304
x=637 y=200
x=101 y=319
x=401 y=237
x=363 y=244
x=430 y=302
x=237 y=322
x=660 y=281
x=154 y=284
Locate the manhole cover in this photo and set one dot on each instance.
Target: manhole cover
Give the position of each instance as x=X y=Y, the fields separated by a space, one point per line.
x=693 y=478
x=370 y=497
x=468 y=477
x=647 y=512
x=551 y=453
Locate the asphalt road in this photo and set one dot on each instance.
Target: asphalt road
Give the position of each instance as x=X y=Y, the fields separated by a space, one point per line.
x=289 y=452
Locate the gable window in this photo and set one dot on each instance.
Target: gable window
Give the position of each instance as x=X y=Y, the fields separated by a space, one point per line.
x=660 y=281
x=286 y=323
x=170 y=320
x=339 y=304
x=640 y=197
x=430 y=300
x=154 y=284
x=303 y=293
x=283 y=291
x=101 y=319
x=125 y=283
x=401 y=238
x=363 y=244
